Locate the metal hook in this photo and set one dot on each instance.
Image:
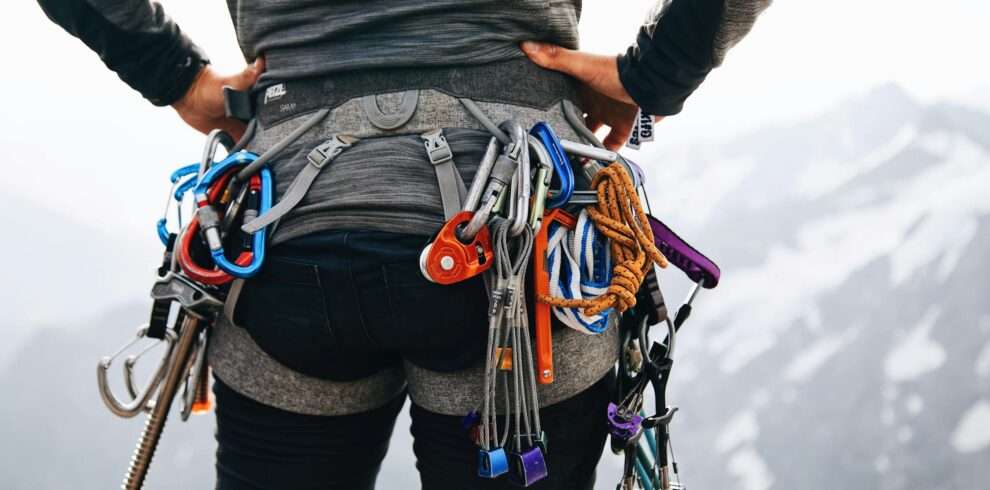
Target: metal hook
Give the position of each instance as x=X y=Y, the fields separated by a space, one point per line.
x=141 y=398
x=213 y=140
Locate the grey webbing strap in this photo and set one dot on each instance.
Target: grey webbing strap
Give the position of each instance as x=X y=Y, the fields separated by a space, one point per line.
x=232 y=296
x=318 y=158
x=452 y=188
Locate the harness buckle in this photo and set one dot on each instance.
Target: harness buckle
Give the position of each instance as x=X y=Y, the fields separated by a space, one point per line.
x=437 y=148
x=329 y=149
x=194 y=299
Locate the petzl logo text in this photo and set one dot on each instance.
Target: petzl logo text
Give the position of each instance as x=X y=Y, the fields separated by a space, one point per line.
x=274 y=92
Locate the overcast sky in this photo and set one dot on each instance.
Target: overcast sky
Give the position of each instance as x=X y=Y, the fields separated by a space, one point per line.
x=76 y=139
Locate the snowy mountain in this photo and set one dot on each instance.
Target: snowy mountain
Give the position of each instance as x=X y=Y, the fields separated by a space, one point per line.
x=848 y=345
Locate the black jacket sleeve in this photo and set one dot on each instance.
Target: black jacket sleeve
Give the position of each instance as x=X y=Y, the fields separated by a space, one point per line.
x=135 y=39
x=679 y=45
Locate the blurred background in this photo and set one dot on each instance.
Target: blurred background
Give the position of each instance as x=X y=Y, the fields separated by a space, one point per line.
x=837 y=167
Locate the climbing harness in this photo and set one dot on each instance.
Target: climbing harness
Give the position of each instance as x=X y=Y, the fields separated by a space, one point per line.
x=570 y=216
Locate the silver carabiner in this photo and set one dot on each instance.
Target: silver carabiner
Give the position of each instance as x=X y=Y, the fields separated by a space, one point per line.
x=214 y=139
x=140 y=398
x=518 y=213
x=544 y=175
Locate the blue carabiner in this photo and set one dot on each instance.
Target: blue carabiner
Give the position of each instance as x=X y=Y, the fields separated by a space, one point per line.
x=562 y=170
x=258 y=245
x=184 y=171
x=201 y=192
x=202 y=188
x=178 y=190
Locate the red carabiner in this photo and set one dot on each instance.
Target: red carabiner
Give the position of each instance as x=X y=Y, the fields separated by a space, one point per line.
x=213 y=275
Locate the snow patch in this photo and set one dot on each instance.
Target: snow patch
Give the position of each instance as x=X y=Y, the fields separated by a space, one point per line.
x=972 y=433
x=916 y=354
x=821 y=177
x=741 y=429
x=750 y=470
x=745 y=351
x=945 y=235
x=811 y=359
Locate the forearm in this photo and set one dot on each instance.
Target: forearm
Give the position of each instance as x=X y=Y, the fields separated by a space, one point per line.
x=135 y=39
x=683 y=41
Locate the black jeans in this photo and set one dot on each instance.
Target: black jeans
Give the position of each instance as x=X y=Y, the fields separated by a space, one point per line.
x=262 y=447
x=342 y=306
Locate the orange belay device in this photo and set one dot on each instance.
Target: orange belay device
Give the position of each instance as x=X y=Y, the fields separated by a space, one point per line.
x=448 y=260
x=541 y=286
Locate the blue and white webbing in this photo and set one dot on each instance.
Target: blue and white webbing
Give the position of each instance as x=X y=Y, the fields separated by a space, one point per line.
x=580 y=267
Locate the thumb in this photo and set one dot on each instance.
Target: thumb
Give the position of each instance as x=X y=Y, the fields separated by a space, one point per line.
x=246 y=78
x=601 y=73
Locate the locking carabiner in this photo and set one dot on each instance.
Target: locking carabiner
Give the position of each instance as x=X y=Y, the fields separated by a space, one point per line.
x=561 y=164
x=208 y=191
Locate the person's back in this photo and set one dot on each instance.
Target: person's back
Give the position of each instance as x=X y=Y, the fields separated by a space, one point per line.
x=315 y=38
x=315 y=355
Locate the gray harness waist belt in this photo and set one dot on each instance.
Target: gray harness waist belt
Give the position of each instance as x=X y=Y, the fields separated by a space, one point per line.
x=531 y=86
x=423 y=112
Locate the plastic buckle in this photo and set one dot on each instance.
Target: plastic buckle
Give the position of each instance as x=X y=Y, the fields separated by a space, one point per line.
x=329 y=149
x=492 y=463
x=437 y=148
x=237 y=104
x=528 y=467
x=622 y=426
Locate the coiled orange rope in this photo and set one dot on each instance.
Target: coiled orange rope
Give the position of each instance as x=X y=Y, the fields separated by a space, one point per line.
x=619 y=216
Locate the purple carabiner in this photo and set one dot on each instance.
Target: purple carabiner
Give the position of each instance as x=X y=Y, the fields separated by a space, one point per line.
x=698 y=268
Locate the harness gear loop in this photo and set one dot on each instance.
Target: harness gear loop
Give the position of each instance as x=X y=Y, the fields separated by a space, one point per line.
x=620 y=217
